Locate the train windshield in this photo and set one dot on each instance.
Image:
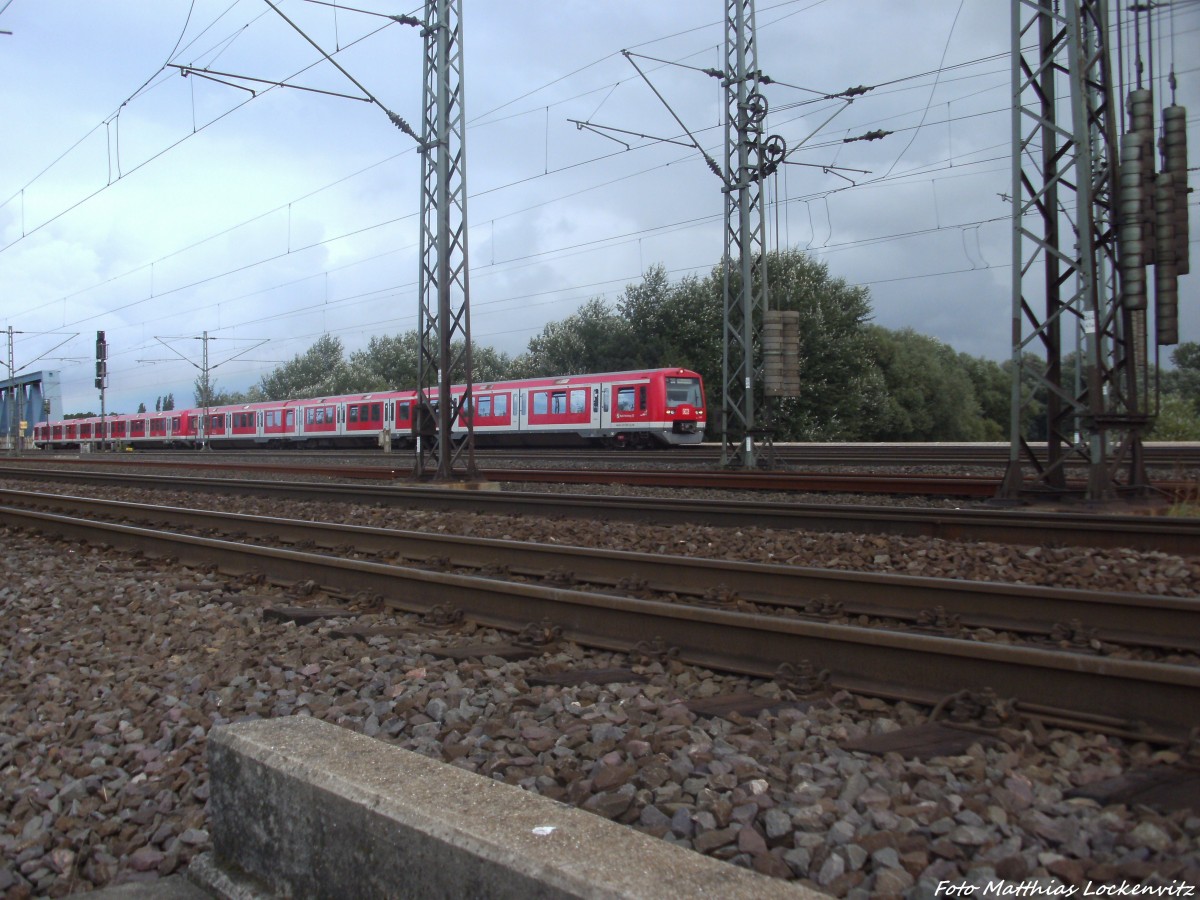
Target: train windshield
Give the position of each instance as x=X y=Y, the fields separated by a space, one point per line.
x=683 y=392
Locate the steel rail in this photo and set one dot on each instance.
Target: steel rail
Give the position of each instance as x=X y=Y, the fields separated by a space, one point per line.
x=825 y=454
x=1013 y=527
x=927 y=485
x=1154 y=700
x=1154 y=621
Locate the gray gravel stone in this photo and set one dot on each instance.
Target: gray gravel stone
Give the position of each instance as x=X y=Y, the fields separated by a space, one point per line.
x=102 y=779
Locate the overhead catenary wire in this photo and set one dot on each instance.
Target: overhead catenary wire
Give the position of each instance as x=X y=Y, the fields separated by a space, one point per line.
x=932 y=91
x=27 y=233
x=610 y=88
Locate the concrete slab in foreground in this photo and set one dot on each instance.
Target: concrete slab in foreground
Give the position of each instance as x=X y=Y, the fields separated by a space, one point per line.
x=302 y=808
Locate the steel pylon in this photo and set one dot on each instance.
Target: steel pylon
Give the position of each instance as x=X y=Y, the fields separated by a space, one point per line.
x=1065 y=295
x=445 y=318
x=744 y=262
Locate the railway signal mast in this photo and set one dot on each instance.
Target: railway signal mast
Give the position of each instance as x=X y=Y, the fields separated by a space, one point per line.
x=102 y=383
x=1085 y=262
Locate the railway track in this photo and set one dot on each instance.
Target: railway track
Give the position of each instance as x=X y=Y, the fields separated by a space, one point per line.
x=1183 y=455
x=1154 y=700
x=1014 y=527
x=1126 y=619
x=929 y=485
x=977 y=487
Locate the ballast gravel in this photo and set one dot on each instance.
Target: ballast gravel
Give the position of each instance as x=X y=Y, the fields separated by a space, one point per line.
x=113 y=670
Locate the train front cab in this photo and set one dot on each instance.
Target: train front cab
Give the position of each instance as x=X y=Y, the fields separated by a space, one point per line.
x=654 y=409
x=683 y=407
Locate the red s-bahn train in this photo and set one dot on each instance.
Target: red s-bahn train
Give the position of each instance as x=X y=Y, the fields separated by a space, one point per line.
x=643 y=408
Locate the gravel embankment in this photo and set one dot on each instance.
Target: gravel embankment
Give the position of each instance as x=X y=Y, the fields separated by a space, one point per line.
x=113 y=669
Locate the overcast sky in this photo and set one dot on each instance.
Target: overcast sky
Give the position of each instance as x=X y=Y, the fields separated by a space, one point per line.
x=158 y=207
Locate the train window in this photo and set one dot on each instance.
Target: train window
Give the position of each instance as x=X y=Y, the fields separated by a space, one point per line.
x=579 y=400
x=625 y=399
x=642 y=398
x=484 y=407
x=405 y=411
x=174 y=423
x=541 y=403
x=352 y=413
x=683 y=392
x=376 y=412
x=291 y=418
x=500 y=405
x=558 y=402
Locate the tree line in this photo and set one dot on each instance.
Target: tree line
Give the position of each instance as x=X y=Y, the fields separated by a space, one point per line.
x=860 y=381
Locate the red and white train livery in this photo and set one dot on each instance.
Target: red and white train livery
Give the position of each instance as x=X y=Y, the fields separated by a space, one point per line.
x=651 y=407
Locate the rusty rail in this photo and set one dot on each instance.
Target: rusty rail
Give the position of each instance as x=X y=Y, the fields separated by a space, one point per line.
x=1153 y=700
x=1013 y=527
x=1147 y=620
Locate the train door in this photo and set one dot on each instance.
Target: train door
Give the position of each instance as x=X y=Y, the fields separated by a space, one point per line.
x=625 y=405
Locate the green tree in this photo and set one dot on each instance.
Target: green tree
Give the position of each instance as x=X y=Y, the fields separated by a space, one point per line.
x=592 y=339
x=205 y=391
x=390 y=363
x=141 y=407
x=841 y=390
x=1184 y=380
x=683 y=324
x=386 y=364
x=489 y=364
x=928 y=397
x=252 y=394
x=168 y=402
x=1177 y=420
x=673 y=324
x=319 y=371
x=993 y=390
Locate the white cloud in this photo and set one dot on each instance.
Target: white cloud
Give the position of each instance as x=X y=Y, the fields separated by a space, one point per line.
x=297 y=212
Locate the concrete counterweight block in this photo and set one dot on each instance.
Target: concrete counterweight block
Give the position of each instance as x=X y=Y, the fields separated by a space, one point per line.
x=302 y=808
